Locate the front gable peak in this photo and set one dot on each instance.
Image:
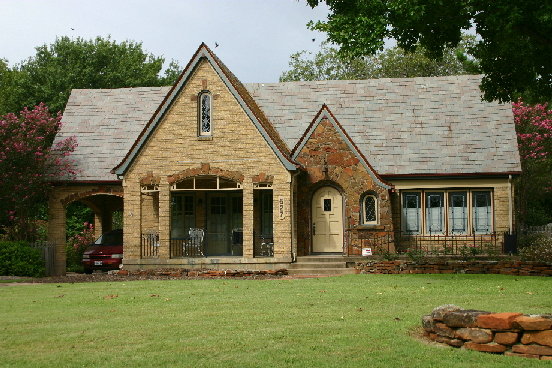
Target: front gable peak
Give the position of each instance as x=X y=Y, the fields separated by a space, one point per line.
x=325 y=116
x=238 y=91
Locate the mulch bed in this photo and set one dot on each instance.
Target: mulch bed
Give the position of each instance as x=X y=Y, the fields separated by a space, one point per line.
x=155 y=275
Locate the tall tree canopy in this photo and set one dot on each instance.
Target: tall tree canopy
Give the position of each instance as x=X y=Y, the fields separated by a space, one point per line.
x=514 y=44
x=56 y=69
x=329 y=64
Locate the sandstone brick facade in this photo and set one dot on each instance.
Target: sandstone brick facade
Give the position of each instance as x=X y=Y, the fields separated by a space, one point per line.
x=236 y=151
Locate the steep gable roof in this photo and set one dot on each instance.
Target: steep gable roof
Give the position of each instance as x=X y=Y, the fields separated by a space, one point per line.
x=236 y=88
x=412 y=126
x=418 y=126
x=106 y=122
x=325 y=113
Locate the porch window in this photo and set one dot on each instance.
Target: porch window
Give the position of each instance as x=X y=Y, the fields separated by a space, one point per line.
x=205 y=116
x=182 y=215
x=412 y=212
x=458 y=212
x=435 y=219
x=263 y=224
x=481 y=212
x=369 y=209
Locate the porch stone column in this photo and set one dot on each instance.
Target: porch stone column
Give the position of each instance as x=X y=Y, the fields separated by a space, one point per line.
x=97 y=225
x=57 y=231
x=164 y=220
x=248 y=220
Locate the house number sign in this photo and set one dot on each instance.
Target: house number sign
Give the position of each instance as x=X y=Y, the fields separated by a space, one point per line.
x=281 y=208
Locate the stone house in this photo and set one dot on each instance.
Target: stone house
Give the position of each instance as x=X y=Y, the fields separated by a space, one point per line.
x=214 y=173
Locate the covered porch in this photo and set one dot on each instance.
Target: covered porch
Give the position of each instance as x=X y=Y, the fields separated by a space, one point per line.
x=207 y=217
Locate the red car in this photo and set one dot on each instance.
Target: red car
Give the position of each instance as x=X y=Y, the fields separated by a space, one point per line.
x=106 y=253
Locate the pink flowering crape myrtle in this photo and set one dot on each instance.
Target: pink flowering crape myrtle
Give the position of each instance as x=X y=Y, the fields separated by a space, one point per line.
x=29 y=162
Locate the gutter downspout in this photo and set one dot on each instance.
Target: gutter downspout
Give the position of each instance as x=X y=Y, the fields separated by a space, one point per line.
x=292 y=211
x=510 y=205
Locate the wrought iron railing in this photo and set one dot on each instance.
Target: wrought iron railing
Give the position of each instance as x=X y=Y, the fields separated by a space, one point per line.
x=149 y=245
x=438 y=244
x=186 y=247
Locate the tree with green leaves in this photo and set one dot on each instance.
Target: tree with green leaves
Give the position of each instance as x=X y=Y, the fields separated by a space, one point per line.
x=56 y=69
x=514 y=44
x=330 y=64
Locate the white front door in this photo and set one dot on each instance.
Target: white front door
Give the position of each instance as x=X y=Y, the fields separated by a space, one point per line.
x=327 y=221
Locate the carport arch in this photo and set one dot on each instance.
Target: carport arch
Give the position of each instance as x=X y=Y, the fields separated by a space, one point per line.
x=102 y=200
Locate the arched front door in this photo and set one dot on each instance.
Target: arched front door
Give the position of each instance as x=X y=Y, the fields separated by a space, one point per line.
x=327 y=221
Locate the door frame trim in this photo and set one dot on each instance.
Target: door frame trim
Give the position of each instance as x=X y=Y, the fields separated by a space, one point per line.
x=314 y=189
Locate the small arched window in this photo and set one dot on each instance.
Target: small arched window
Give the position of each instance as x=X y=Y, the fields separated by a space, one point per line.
x=205 y=124
x=369 y=209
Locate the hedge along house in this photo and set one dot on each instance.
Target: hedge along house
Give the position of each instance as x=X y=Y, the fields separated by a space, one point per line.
x=214 y=173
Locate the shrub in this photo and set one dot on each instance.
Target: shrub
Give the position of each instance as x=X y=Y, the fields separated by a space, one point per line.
x=416 y=255
x=76 y=246
x=469 y=252
x=537 y=248
x=18 y=258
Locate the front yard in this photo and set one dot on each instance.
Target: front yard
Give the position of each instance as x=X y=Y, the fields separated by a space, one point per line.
x=351 y=321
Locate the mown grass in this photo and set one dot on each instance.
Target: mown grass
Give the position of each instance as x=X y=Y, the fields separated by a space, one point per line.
x=348 y=321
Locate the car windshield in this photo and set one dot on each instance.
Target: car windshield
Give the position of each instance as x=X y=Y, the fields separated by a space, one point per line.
x=110 y=238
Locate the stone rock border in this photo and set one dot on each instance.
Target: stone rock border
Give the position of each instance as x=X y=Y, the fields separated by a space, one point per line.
x=512 y=334
x=451 y=266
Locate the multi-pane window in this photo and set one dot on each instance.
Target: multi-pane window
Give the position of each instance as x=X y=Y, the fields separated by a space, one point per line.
x=481 y=207
x=454 y=212
x=205 y=116
x=182 y=214
x=412 y=216
x=435 y=219
x=458 y=212
x=369 y=209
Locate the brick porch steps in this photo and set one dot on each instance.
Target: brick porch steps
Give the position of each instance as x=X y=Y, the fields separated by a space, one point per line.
x=321 y=265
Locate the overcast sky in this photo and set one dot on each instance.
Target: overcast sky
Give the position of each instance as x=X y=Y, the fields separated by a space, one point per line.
x=255 y=37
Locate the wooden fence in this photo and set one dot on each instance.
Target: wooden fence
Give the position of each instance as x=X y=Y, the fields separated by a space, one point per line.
x=48 y=253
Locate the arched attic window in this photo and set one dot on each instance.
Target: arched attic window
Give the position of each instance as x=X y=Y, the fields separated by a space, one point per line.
x=369 y=208
x=205 y=118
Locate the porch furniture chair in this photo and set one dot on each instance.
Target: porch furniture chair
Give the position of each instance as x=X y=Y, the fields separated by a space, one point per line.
x=193 y=246
x=267 y=246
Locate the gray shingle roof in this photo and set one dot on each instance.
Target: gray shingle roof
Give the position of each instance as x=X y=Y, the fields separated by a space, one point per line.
x=402 y=126
x=106 y=123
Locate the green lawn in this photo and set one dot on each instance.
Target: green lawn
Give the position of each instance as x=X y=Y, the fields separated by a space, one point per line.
x=347 y=321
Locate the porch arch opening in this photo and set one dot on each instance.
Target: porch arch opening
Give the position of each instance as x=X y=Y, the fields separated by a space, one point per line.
x=206 y=217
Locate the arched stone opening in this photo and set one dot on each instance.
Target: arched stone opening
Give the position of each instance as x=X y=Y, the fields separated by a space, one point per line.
x=104 y=202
